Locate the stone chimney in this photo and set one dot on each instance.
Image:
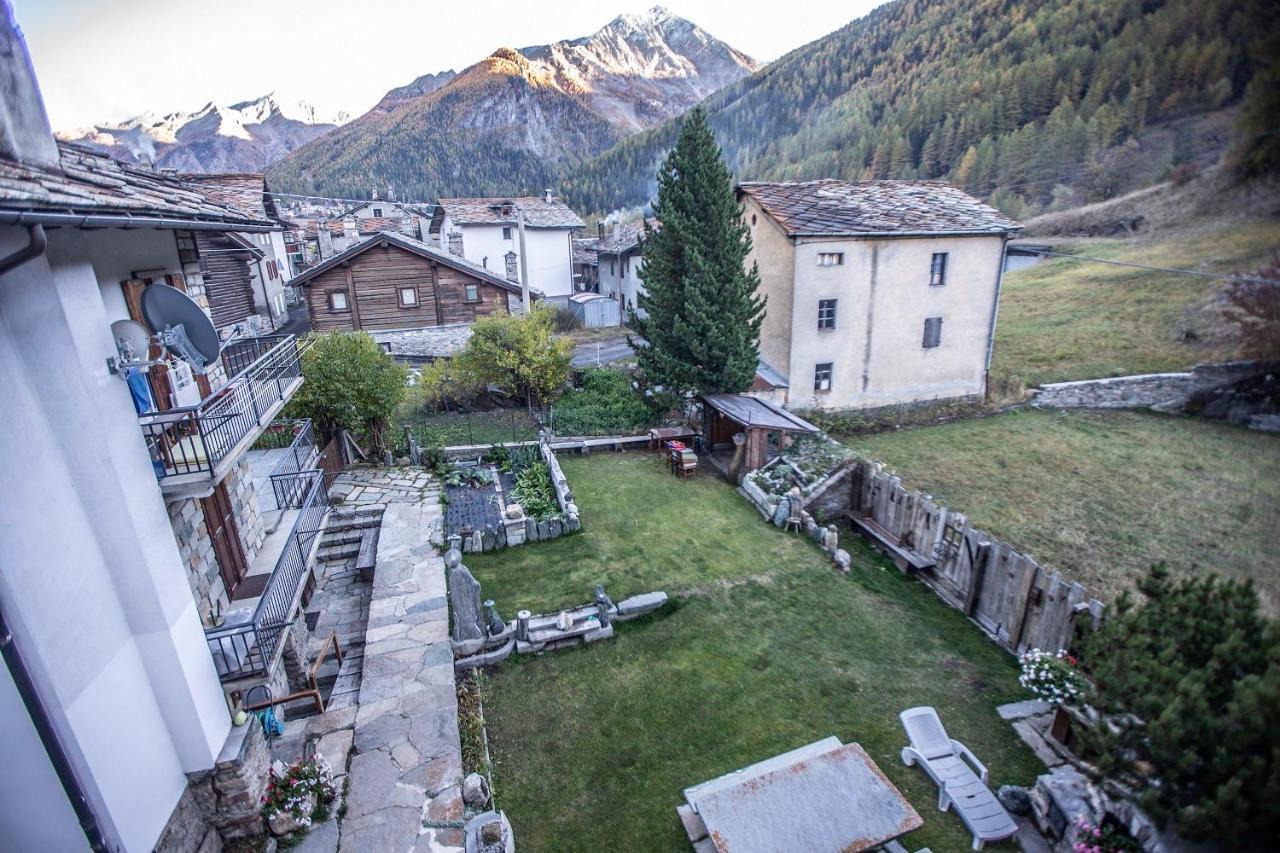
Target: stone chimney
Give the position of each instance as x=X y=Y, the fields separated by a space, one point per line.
x=547 y=197
x=455 y=243
x=25 y=134
x=600 y=228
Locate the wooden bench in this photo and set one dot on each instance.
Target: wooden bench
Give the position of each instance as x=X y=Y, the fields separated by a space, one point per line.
x=313 y=691
x=368 y=556
x=906 y=559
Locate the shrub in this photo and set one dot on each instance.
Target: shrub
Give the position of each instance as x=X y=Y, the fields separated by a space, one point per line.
x=606 y=404
x=518 y=353
x=1190 y=681
x=349 y=383
x=1255 y=307
x=443 y=385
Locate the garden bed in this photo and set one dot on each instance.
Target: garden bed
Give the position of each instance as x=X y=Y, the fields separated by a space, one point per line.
x=508 y=497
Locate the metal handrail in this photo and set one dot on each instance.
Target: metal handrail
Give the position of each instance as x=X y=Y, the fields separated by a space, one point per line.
x=197 y=438
x=247 y=648
x=288 y=477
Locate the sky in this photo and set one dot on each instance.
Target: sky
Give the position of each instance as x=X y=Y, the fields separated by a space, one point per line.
x=106 y=60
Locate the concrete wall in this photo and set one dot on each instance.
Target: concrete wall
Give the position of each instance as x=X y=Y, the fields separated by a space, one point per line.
x=91 y=573
x=883 y=298
x=550 y=253
x=620 y=278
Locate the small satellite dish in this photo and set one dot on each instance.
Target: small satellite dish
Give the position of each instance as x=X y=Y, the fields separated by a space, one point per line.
x=181 y=324
x=132 y=339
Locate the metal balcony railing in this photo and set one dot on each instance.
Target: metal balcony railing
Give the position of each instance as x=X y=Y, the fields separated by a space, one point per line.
x=290 y=476
x=195 y=439
x=246 y=646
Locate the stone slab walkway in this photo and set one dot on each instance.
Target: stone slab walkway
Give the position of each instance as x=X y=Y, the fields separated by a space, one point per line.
x=406 y=774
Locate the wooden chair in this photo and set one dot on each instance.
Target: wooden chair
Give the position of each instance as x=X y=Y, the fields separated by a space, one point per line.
x=686 y=463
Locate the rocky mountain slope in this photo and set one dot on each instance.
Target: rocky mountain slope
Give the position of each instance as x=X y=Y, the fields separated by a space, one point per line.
x=518 y=118
x=243 y=137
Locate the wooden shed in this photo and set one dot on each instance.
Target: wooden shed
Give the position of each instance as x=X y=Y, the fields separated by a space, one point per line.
x=742 y=433
x=391 y=281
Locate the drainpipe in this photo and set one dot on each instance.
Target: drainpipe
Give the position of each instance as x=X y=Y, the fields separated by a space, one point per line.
x=36 y=244
x=44 y=726
x=991 y=328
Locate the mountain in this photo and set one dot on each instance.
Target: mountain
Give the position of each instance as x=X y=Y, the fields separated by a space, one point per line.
x=243 y=137
x=519 y=118
x=1035 y=104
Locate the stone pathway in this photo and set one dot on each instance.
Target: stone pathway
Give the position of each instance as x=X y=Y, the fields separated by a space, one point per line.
x=406 y=771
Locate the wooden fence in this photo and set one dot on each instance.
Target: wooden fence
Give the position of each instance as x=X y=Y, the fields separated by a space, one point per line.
x=1019 y=603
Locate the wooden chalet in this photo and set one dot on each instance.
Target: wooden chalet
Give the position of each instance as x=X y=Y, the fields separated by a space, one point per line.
x=225 y=257
x=392 y=281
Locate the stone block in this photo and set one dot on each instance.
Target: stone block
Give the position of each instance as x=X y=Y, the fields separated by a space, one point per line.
x=335 y=747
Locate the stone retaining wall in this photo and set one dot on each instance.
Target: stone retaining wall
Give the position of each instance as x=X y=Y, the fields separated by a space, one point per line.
x=1164 y=390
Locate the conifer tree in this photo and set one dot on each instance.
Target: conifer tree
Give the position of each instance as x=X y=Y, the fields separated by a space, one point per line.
x=701 y=313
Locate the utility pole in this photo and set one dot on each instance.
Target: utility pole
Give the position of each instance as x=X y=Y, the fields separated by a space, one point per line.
x=524 y=261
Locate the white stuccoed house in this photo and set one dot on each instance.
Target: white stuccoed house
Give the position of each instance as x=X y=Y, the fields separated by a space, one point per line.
x=486 y=231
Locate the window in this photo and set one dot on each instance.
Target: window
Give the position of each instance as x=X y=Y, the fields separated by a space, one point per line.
x=506 y=232
x=337 y=300
x=826 y=313
x=932 y=332
x=830 y=259
x=473 y=293
x=377 y=211
x=938 y=269
x=822 y=377
x=612 y=269
x=271 y=270
x=408 y=297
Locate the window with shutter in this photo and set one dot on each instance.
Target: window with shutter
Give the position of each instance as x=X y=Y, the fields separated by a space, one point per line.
x=932 y=332
x=938 y=269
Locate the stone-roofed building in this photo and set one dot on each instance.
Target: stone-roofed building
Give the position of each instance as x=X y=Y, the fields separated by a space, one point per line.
x=879 y=292
x=621 y=258
x=265 y=271
x=486 y=231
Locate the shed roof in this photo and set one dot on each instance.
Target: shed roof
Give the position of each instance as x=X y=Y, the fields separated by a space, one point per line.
x=87 y=183
x=411 y=245
x=875 y=208
x=538 y=212
x=754 y=412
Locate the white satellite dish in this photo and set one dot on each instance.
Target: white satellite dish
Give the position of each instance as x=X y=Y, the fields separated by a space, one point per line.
x=132 y=339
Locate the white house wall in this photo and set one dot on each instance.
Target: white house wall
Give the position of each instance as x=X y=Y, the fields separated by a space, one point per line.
x=90 y=567
x=620 y=278
x=550 y=253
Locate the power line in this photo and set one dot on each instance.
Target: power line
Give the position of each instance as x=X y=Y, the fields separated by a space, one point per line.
x=353 y=200
x=1248 y=278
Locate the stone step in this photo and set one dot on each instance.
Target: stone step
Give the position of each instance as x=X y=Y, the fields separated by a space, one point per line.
x=339 y=552
x=342 y=537
x=344 y=525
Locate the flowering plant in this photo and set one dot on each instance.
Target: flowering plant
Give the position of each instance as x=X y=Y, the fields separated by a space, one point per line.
x=292 y=793
x=1106 y=837
x=1054 y=677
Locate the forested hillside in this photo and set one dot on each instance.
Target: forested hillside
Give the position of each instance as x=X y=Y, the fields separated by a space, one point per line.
x=1034 y=103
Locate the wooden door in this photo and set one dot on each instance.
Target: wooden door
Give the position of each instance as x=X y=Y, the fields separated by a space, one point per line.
x=220 y=521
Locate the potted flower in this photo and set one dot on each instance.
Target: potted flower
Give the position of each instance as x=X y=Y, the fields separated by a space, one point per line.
x=299 y=796
x=1055 y=677
x=1106 y=837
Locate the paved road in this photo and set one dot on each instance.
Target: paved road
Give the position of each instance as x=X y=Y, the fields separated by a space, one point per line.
x=609 y=349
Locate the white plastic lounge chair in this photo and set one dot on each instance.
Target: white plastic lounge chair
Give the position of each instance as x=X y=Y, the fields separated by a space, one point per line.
x=944 y=760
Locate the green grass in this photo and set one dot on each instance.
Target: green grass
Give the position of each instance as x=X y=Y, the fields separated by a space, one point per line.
x=1101 y=495
x=764 y=647
x=497 y=427
x=1067 y=319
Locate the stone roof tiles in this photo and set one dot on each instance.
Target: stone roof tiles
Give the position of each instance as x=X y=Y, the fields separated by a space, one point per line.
x=538 y=212
x=87 y=183
x=869 y=208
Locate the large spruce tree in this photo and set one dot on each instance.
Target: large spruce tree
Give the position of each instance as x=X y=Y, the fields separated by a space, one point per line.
x=702 y=315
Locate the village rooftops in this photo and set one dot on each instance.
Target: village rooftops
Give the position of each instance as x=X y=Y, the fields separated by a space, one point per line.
x=88 y=189
x=624 y=239
x=832 y=208
x=417 y=247
x=244 y=191
x=539 y=212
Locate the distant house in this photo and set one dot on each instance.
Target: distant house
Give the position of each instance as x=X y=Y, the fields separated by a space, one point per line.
x=621 y=258
x=586 y=265
x=879 y=292
x=392 y=282
x=323 y=238
x=485 y=231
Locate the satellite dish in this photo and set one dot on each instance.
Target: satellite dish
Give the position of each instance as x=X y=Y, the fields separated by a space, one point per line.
x=182 y=325
x=132 y=339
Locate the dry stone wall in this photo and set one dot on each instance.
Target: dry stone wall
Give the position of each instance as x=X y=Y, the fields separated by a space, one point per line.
x=1163 y=390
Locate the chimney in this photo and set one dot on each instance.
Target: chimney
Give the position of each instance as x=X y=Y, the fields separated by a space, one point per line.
x=547 y=195
x=600 y=229
x=25 y=134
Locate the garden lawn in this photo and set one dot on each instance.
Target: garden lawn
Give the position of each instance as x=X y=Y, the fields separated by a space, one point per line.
x=1101 y=495
x=1066 y=319
x=764 y=647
